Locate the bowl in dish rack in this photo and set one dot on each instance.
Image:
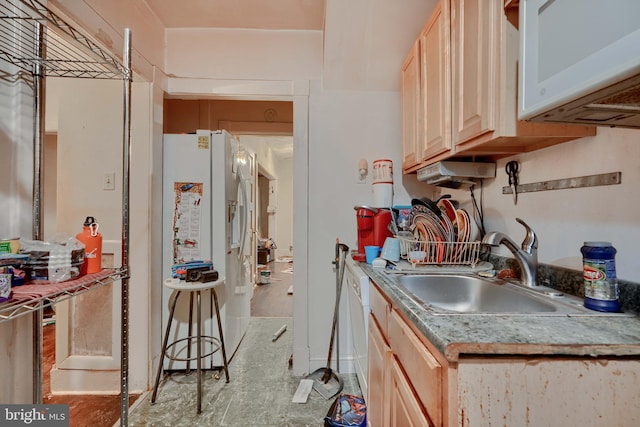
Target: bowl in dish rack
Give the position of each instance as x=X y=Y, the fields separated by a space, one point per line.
x=417 y=256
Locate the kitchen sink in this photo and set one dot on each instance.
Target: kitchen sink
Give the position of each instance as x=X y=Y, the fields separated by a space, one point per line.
x=462 y=294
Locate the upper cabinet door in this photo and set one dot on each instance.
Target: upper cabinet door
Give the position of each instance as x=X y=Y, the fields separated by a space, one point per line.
x=475 y=27
x=411 y=123
x=468 y=89
x=436 y=83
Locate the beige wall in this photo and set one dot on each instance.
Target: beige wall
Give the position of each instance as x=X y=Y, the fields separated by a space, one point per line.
x=243 y=54
x=564 y=219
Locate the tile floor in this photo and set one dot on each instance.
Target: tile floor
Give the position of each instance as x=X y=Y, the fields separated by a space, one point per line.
x=273 y=299
x=259 y=392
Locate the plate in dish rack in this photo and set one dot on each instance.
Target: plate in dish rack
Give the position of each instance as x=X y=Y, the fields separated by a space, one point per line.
x=433 y=226
x=448 y=209
x=420 y=232
x=463 y=225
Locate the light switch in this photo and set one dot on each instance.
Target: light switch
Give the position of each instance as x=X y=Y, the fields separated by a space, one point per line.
x=109 y=181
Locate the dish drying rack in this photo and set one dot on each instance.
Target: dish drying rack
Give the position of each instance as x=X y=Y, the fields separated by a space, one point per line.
x=440 y=252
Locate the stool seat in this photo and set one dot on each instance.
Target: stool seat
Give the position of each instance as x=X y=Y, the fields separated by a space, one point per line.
x=196 y=288
x=183 y=285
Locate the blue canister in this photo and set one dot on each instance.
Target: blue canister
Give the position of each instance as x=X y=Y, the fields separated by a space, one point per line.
x=599 y=273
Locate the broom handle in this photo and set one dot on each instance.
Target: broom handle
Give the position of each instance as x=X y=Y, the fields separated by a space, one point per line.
x=344 y=248
x=337 y=319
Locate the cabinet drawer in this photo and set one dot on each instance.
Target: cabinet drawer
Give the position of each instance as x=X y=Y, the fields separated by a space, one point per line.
x=380 y=309
x=419 y=364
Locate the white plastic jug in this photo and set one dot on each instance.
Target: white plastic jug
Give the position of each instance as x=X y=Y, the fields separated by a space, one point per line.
x=383 y=171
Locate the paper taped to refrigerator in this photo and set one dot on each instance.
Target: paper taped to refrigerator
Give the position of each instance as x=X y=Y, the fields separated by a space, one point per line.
x=187 y=221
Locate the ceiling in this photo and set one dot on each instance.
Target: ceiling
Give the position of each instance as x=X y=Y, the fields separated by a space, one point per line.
x=254 y=14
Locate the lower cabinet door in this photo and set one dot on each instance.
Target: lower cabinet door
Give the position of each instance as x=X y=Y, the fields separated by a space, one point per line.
x=379 y=354
x=404 y=407
x=419 y=365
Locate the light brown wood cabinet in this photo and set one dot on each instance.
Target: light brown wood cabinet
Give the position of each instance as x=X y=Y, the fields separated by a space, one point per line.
x=378 y=354
x=426 y=92
x=435 y=91
x=419 y=364
x=410 y=88
x=404 y=407
x=378 y=394
x=392 y=400
x=412 y=384
x=396 y=359
x=468 y=89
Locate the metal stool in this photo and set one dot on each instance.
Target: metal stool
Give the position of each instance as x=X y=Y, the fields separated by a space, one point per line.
x=192 y=287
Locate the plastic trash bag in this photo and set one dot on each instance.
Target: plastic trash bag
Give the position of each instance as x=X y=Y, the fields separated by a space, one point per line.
x=347 y=410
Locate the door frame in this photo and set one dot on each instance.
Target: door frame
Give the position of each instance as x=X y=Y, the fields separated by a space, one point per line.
x=297 y=92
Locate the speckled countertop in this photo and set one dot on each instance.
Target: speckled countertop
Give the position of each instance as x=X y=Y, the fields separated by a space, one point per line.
x=458 y=335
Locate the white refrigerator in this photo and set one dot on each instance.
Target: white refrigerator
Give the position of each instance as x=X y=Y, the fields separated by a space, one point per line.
x=208 y=214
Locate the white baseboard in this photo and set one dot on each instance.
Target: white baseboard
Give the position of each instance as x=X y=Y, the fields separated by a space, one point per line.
x=80 y=381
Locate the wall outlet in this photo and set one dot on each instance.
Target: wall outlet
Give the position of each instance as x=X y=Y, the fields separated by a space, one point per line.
x=109 y=181
x=360 y=179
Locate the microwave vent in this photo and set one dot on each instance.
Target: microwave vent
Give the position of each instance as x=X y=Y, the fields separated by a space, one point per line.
x=617 y=105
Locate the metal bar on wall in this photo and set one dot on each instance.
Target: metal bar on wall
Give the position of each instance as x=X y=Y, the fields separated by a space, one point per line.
x=560 y=184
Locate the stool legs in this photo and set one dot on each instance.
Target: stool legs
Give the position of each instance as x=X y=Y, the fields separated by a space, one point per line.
x=164 y=346
x=190 y=333
x=199 y=351
x=211 y=313
x=224 y=352
x=165 y=342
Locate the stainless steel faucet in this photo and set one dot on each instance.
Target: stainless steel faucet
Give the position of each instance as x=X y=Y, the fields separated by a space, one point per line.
x=526 y=255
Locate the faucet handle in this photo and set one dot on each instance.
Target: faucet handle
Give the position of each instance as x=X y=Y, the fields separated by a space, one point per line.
x=530 y=242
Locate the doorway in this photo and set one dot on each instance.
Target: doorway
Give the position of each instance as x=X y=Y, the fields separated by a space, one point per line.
x=266 y=129
x=273 y=290
x=295 y=93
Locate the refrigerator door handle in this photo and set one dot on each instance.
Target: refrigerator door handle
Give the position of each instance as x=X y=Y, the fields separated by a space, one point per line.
x=243 y=219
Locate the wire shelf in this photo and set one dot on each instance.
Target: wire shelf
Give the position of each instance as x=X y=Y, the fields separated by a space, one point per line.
x=67 y=52
x=421 y=252
x=41 y=294
x=36 y=43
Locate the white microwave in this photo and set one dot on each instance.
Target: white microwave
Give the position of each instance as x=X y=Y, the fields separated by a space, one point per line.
x=580 y=62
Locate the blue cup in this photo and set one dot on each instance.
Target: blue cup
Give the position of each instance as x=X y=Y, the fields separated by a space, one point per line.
x=371 y=253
